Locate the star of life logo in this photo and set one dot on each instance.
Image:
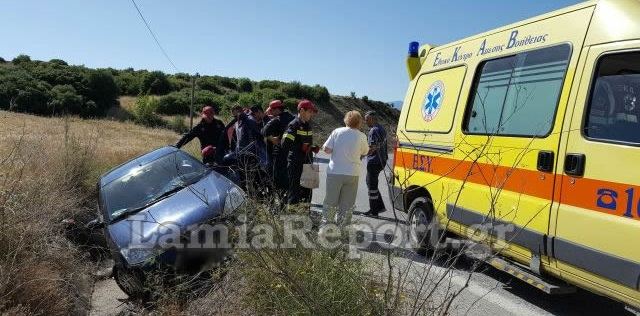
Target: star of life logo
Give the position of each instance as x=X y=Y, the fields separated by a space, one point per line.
x=433 y=101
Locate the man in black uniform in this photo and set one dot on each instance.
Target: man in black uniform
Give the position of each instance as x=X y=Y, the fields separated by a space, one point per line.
x=376 y=161
x=208 y=131
x=273 y=132
x=297 y=143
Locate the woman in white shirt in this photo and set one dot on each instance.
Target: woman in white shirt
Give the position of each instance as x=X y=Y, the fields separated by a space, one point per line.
x=347 y=145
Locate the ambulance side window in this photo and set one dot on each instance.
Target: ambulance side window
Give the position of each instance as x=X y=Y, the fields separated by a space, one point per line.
x=613 y=112
x=518 y=95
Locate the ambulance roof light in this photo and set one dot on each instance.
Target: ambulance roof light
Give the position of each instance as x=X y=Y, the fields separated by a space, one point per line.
x=413 y=49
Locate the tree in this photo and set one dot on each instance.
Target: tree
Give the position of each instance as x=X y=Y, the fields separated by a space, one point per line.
x=269 y=95
x=320 y=94
x=129 y=83
x=245 y=85
x=58 y=62
x=2 y=60
x=32 y=99
x=21 y=59
x=270 y=84
x=102 y=89
x=156 y=82
x=65 y=100
x=248 y=100
x=209 y=83
x=144 y=112
x=226 y=82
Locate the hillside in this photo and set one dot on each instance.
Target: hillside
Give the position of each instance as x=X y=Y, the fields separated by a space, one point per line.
x=57 y=88
x=332 y=114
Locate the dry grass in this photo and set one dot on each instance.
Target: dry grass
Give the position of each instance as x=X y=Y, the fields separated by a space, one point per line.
x=48 y=171
x=114 y=142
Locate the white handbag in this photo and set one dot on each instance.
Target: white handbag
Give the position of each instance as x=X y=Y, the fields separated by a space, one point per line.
x=310 y=177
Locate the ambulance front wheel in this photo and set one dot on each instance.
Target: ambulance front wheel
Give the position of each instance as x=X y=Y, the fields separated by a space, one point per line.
x=422 y=230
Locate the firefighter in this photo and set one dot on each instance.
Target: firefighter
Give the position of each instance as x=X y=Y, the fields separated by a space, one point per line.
x=297 y=144
x=272 y=132
x=209 y=131
x=376 y=161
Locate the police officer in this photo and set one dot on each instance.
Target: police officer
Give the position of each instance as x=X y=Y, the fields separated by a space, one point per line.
x=273 y=132
x=376 y=161
x=297 y=143
x=208 y=131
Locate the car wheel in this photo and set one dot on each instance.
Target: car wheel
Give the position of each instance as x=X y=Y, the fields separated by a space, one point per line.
x=422 y=234
x=129 y=282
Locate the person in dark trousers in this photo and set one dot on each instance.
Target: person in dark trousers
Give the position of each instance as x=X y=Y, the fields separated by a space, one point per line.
x=297 y=144
x=208 y=131
x=250 y=148
x=273 y=132
x=376 y=161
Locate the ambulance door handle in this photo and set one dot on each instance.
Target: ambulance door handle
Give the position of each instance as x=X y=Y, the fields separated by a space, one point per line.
x=545 y=160
x=574 y=164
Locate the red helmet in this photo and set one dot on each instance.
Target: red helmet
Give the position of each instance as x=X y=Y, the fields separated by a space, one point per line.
x=307 y=105
x=276 y=104
x=208 y=151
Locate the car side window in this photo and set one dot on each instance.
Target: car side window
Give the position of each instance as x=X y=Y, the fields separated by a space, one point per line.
x=518 y=95
x=613 y=112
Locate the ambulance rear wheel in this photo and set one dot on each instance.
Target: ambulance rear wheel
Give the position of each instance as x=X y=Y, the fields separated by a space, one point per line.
x=421 y=226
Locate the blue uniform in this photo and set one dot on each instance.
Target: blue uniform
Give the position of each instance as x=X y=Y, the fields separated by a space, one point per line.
x=376 y=161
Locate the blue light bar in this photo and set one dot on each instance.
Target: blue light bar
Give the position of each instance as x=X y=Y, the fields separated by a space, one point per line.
x=413 y=49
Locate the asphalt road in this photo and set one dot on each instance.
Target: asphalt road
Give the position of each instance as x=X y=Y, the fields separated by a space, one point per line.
x=490 y=291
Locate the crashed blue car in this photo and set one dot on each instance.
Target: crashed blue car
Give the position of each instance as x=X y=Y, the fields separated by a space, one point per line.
x=165 y=210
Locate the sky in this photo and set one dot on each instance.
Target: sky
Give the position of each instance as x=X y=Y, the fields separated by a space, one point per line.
x=345 y=45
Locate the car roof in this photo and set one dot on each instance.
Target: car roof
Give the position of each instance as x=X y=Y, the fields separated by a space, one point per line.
x=142 y=160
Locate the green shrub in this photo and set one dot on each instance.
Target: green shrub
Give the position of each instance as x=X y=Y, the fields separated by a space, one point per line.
x=65 y=100
x=173 y=103
x=32 y=99
x=365 y=99
x=128 y=83
x=320 y=94
x=204 y=97
x=245 y=85
x=303 y=280
x=232 y=97
x=270 y=84
x=226 y=82
x=144 y=112
x=248 y=100
x=156 y=82
x=21 y=59
x=209 y=83
x=2 y=60
x=268 y=95
x=102 y=89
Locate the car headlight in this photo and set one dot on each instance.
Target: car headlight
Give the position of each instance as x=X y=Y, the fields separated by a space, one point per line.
x=138 y=255
x=234 y=199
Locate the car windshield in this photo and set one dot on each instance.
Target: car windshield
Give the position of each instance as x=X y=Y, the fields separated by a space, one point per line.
x=142 y=185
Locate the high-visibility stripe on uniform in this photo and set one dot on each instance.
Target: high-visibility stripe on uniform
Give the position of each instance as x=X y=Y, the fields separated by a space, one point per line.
x=289 y=136
x=305 y=133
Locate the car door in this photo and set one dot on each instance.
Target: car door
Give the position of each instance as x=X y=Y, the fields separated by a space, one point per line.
x=598 y=218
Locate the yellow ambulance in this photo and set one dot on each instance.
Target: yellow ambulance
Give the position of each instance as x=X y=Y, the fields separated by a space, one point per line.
x=534 y=130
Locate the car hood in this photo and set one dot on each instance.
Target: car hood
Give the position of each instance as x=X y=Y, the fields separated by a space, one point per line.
x=199 y=203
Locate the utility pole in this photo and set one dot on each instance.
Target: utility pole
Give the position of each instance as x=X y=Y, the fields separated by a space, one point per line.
x=193 y=92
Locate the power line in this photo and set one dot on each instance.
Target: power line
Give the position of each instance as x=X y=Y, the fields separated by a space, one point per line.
x=155 y=38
